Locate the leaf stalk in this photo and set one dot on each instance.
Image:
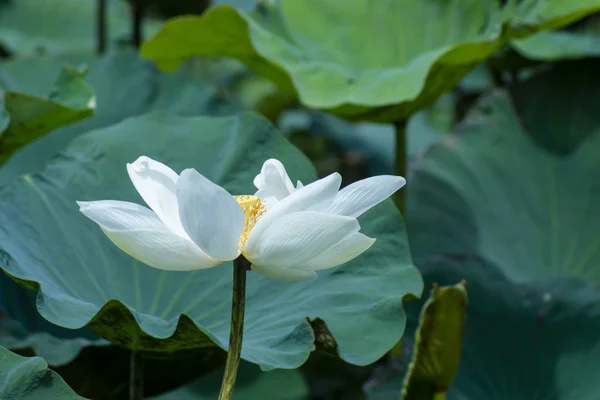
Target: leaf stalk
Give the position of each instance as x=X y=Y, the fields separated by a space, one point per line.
x=136 y=376
x=400 y=164
x=100 y=26
x=138 y=11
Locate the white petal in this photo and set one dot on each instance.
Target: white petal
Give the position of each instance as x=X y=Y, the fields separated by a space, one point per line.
x=316 y=196
x=140 y=233
x=285 y=274
x=357 y=198
x=273 y=182
x=342 y=252
x=210 y=215
x=293 y=240
x=157 y=184
x=273 y=174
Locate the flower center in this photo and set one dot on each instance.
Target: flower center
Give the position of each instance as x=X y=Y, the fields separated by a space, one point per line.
x=253 y=209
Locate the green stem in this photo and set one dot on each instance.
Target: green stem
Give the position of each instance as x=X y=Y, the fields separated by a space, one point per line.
x=136 y=376
x=237 y=327
x=137 y=22
x=400 y=163
x=100 y=26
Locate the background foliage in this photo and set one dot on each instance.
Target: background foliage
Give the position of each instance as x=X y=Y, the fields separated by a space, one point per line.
x=490 y=109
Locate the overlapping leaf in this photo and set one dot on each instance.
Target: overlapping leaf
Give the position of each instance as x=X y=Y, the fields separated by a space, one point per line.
x=85 y=280
x=125 y=86
x=26 y=117
x=31 y=379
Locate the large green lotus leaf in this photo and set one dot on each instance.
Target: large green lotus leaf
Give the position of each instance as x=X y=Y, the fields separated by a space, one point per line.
x=438 y=342
x=61 y=26
x=85 y=280
x=412 y=64
x=115 y=77
x=29 y=117
x=493 y=190
x=366 y=60
x=522 y=342
x=251 y=384
x=30 y=379
x=125 y=86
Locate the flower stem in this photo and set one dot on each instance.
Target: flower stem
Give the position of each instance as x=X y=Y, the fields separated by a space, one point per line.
x=136 y=376
x=400 y=163
x=240 y=265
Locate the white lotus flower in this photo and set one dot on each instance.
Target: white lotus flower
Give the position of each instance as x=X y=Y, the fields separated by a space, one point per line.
x=285 y=232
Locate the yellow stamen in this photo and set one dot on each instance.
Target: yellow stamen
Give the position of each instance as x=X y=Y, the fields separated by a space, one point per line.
x=253 y=210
